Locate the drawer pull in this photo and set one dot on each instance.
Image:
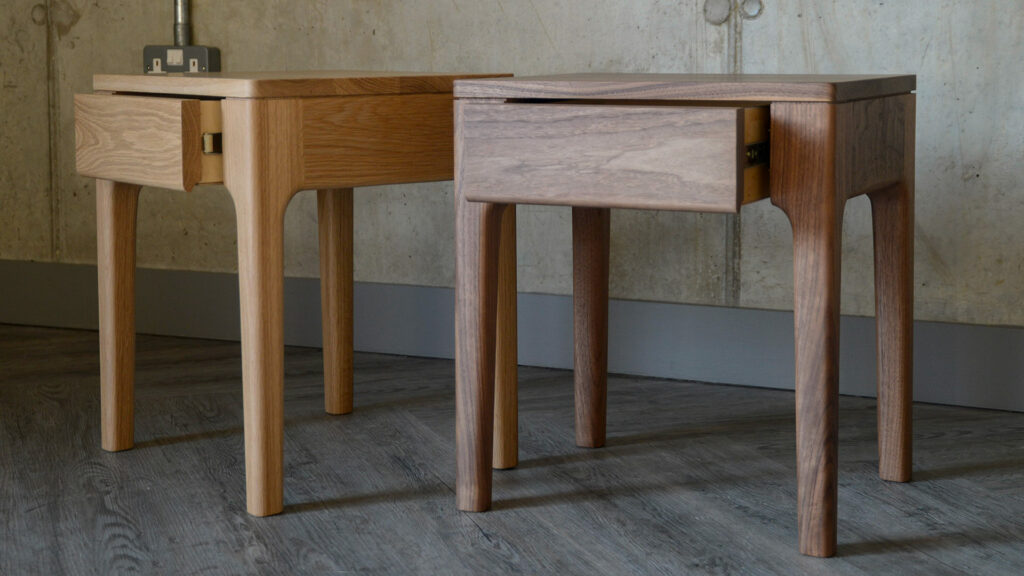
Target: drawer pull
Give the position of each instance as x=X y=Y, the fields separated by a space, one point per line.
x=757 y=154
x=212 y=143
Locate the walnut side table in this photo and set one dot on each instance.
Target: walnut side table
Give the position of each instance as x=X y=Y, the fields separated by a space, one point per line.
x=265 y=136
x=708 y=143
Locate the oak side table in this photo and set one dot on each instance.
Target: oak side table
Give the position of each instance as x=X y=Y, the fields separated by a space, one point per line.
x=265 y=136
x=708 y=143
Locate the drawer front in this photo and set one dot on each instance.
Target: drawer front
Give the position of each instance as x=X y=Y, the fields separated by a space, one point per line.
x=374 y=140
x=150 y=141
x=703 y=158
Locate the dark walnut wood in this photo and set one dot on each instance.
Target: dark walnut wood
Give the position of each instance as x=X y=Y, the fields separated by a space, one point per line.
x=654 y=157
x=892 y=211
x=563 y=139
x=694 y=87
x=805 y=136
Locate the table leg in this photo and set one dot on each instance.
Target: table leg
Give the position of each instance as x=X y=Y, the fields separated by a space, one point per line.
x=261 y=283
x=334 y=215
x=804 y=185
x=893 y=215
x=506 y=386
x=477 y=239
x=262 y=150
x=590 y=254
x=116 y=209
x=816 y=263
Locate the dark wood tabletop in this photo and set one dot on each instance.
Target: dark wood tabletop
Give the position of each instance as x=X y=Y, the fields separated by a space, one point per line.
x=728 y=87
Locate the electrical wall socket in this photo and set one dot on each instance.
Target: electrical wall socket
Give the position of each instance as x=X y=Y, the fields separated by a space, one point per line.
x=161 y=59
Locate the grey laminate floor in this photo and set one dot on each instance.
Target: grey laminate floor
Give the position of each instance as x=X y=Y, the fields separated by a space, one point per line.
x=695 y=479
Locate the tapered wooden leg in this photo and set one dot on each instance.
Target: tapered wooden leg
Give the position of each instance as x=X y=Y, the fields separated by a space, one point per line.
x=261 y=279
x=262 y=149
x=334 y=215
x=590 y=247
x=116 y=209
x=893 y=215
x=506 y=386
x=804 y=185
x=477 y=234
x=892 y=212
x=816 y=260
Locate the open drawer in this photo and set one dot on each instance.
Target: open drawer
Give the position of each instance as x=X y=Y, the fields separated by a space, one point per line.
x=153 y=141
x=636 y=154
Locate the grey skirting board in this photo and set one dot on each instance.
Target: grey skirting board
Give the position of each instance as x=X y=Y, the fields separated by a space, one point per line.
x=958 y=364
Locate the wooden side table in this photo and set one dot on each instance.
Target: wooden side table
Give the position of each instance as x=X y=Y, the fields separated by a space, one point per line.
x=707 y=143
x=265 y=136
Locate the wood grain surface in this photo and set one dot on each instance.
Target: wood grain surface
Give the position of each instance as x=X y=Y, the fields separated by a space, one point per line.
x=116 y=211
x=694 y=479
x=211 y=121
x=736 y=87
x=477 y=251
x=646 y=157
x=476 y=278
x=373 y=140
x=261 y=171
x=506 y=369
x=804 y=185
x=282 y=84
x=872 y=139
x=141 y=140
x=334 y=220
x=591 y=230
x=892 y=211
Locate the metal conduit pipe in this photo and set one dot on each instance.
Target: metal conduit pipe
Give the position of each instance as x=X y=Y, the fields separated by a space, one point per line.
x=182 y=23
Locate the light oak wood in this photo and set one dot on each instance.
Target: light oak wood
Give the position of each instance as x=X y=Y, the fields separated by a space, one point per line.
x=735 y=87
x=116 y=210
x=282 y=84
x=262 y=139
x=373 y=140
x=211 y=122
x=506 y=373
x=334 y=217
x=290 y=131
x=892 y=212
x=140 y=140
x=591 y=231
x=652 y=157
x=804 y=185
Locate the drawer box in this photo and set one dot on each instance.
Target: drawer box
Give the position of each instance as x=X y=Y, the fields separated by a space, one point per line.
x=613 y=155
x=152 y=141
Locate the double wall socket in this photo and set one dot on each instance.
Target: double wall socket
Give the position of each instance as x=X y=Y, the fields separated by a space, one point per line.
x=160 y=59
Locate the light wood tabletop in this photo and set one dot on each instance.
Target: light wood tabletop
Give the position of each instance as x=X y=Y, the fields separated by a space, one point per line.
x=708 y=143
x=287 y=84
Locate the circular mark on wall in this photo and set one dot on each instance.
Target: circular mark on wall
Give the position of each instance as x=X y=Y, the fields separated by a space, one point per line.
x=751 y=9
x=717 y=11
x=39 y=14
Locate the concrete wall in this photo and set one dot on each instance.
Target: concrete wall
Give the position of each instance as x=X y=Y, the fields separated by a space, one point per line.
x=970 y=244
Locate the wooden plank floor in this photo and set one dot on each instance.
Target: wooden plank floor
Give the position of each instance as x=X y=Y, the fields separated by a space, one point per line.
x=695 y=478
